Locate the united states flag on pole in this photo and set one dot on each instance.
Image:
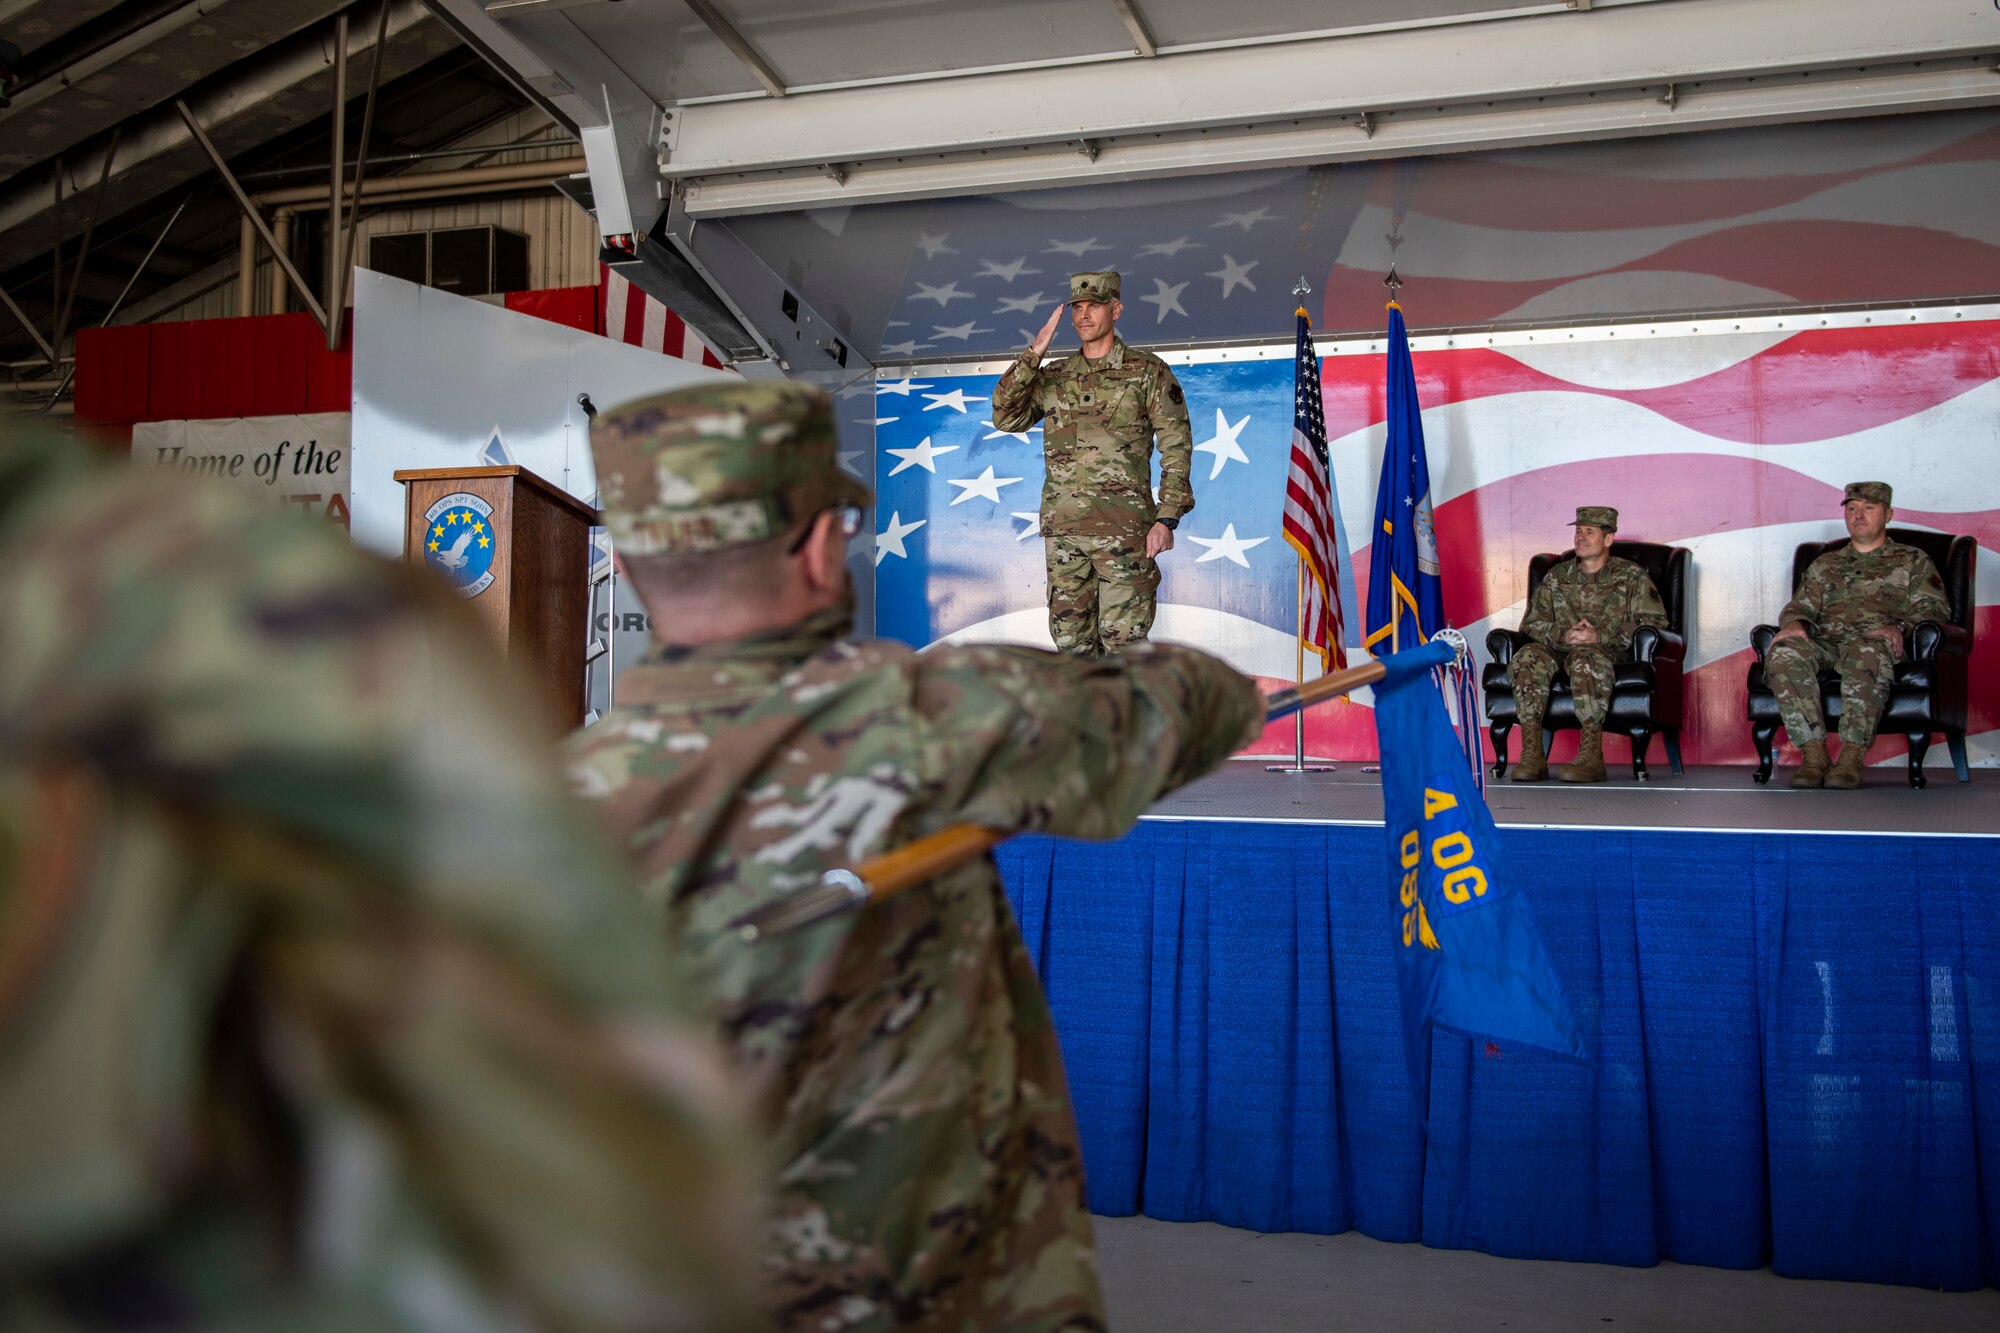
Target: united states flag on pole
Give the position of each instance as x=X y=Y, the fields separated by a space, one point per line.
x=1310 y=510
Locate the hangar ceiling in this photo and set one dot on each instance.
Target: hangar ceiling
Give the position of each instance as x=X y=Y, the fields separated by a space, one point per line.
x=920 y=175
x=744 y=106
x=89 y=64
x=677 y=54
x=95 y=73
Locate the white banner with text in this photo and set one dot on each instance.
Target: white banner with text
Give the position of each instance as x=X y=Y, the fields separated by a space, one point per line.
x=295 y=460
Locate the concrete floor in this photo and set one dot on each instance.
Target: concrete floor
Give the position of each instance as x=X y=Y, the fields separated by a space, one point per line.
x=1169 y=1277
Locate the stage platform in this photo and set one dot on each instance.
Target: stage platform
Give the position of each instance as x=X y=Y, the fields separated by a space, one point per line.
x=1704 y=799
x=1791 y=1002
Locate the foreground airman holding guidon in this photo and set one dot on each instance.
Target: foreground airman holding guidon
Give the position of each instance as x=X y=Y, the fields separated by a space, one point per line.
x=927 y=1169
x=1102 y=530
x=1851 y=613
x=323 y=1006
x=1581 y=619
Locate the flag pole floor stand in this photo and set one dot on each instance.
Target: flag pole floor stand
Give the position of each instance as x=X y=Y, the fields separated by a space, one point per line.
x=1299 y=764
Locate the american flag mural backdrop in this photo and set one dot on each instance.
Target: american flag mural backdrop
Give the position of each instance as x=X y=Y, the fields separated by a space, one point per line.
x=1893 y=209
x=958 y=552
x=1834 y=213
x=1736 y=445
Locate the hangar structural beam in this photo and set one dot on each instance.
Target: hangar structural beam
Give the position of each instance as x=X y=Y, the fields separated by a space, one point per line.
x=1513 y=78
x=1605 y=72
x=584 y=88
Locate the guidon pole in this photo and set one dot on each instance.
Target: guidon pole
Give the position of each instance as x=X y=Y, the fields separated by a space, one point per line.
x=844 y=890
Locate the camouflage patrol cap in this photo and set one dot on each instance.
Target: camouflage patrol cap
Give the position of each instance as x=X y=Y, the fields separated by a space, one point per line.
x=1596 y=516
x=1878 y=491
x=1100 y=286
x=718 y=465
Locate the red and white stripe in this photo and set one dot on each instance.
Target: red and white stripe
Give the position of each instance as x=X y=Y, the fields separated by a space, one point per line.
x=1309 y=524
x=630 y=315
x=1309 y=531
x=1736 y=446
x=1903 y=203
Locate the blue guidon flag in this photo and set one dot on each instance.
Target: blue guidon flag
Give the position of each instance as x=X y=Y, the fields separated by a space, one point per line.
x=1468 y=954
x=460 y=541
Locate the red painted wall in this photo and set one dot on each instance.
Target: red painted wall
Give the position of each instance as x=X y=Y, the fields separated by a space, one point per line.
x=265 y=365
x=260 y=366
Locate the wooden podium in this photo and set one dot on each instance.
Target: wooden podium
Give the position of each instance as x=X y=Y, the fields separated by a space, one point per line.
x=518 y=549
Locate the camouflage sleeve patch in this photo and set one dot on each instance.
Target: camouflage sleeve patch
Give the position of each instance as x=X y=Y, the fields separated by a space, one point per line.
x=1647 y=606
x=1168 y=409
x=1928 y=600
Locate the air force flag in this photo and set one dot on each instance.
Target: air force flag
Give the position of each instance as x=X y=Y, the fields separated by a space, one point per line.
x=1405 y=589
x=1468 y=955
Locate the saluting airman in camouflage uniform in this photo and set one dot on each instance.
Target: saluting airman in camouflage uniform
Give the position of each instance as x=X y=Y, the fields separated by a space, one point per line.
x=1102 y=530
x=1581 y=619
x=322 y=1004
x=1850 y=614
x=927 y=1165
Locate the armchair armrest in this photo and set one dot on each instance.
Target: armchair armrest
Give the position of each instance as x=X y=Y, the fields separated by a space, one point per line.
x=1760 y=639
x=1501 y=644
x=1928 y=638
x=1649 y=643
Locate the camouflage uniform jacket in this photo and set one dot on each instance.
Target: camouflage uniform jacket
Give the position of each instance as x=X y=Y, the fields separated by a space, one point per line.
x=1099 y=418
x=322 y=1004
x=1616 y=600
x=1848 y=592
x=928 y=1169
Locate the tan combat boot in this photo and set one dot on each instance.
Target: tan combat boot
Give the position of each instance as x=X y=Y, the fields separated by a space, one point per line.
x=1846 y=775
x=1588 y=766
x=1812 y=765
x=1534 y=765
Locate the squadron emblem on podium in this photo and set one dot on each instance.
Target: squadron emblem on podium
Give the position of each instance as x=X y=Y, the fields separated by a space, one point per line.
x=460 y=541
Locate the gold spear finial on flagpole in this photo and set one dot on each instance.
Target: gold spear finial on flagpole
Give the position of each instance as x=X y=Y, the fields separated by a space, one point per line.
x=1302 y=291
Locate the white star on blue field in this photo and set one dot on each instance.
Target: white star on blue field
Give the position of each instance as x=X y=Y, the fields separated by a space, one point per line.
x=1202 y=259
x=958 y=504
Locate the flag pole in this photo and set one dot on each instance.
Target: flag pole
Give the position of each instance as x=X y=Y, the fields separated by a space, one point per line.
x=1299 y=674
x=1298 y=764
x=1395 y=635
x=1394 y=283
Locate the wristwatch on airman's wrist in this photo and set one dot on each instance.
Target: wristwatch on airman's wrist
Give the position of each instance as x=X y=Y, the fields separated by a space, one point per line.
x=1168 y=523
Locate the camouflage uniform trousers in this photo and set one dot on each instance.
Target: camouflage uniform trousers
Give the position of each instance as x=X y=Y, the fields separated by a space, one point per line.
x=1103 y=592
x=1590 y=679
x=1867 y=667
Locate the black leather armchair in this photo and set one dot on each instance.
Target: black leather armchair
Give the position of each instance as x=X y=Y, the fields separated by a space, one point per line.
x=1646 y=692
x=1931 y=686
